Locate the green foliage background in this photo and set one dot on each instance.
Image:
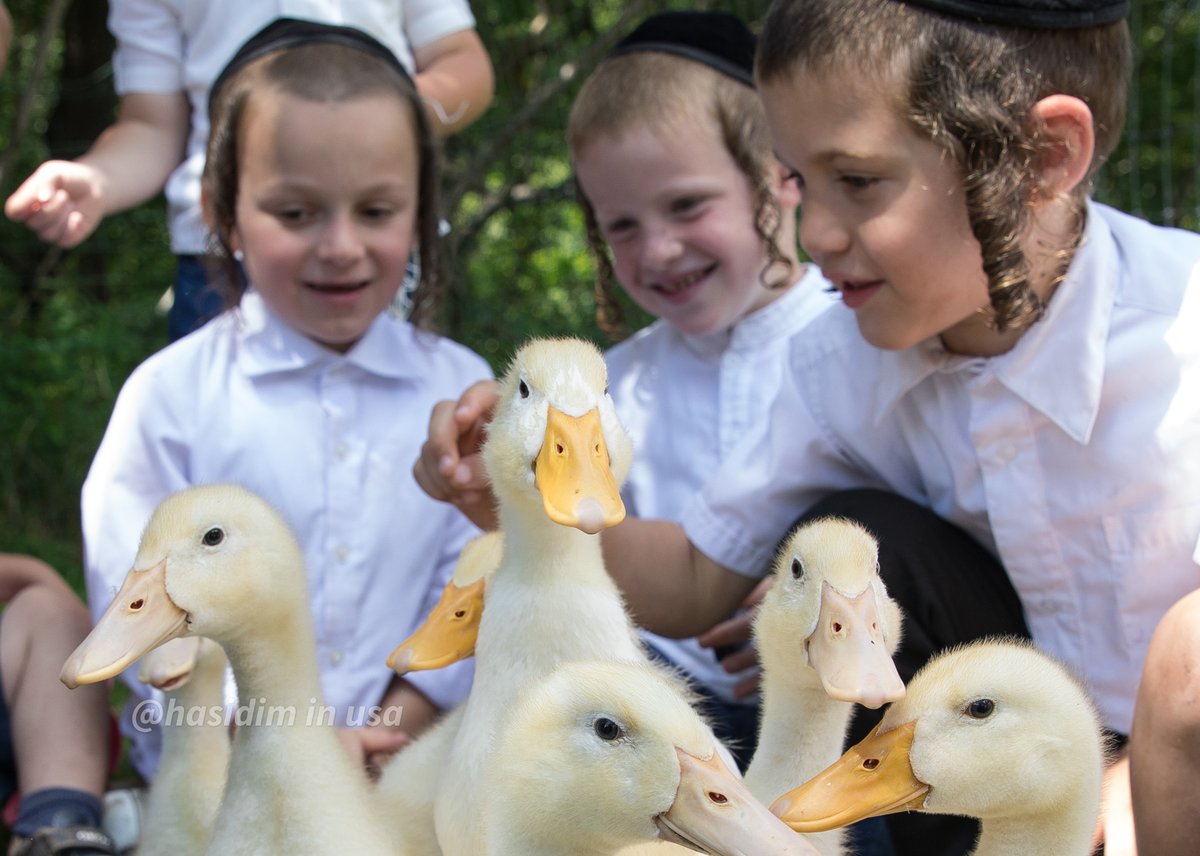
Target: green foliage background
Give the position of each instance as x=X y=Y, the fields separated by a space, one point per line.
x=74 y=324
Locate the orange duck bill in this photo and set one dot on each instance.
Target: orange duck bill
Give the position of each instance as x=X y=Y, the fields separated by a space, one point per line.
x=141 y=617
x=874 y=777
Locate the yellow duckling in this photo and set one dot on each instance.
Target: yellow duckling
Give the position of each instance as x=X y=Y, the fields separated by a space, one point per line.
x=218 y=561
x=995 y=730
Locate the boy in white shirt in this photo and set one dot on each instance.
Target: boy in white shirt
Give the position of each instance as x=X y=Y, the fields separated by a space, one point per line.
x=1018 y=361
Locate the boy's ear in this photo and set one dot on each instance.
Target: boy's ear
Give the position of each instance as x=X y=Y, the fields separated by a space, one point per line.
x=1069 y=127
x=787 y=190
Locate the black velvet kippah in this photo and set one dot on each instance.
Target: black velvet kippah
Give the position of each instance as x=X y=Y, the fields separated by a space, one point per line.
x=291 y=32
x=717 y=39
x=1038 y=14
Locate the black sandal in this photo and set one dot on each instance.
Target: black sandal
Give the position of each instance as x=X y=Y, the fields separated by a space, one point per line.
x=67 y=841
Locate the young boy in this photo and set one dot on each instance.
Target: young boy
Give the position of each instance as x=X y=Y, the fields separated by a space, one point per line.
x=1024 y=380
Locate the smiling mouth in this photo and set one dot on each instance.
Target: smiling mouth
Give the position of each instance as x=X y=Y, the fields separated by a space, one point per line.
x=683 y=283
x=336 y=288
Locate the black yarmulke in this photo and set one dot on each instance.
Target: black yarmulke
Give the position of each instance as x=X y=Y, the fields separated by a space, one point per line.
x=1037 y=14
x=717 y=39
x=291 y=32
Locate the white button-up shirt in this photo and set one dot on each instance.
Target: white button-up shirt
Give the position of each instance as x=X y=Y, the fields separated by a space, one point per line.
x=329 y=440
x=687 y=401
x=1075 y=457
x=168 y=46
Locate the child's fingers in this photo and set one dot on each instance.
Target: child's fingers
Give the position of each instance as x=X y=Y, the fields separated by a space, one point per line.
x=748 y=687
x=743 y=658
x=732 y=631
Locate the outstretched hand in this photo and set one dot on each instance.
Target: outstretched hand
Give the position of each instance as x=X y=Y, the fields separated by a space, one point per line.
x=450 y=466
x=737 y=633
x=62 y=202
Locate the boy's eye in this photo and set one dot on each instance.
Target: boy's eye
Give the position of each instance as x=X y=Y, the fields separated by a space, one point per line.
x=293 y=216
x=857 y=182
x=686 y=204
x=377 y=212
x=618 y=227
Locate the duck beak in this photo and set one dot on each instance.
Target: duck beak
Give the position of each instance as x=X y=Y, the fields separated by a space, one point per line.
x=448 y=633
x=574 y=473
x=874 y=777
x=170 y=665
x=848 y=652
x=141 y=617
x=715 y=813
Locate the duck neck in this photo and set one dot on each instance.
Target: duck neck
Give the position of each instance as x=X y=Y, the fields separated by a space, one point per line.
x=1060 y=833
x=554 y=547
x=274 y=664
x=801 y=730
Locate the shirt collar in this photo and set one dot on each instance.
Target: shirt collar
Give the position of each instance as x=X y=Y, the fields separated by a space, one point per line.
x=1057 y=367
x=270 y=345
x=778 y=319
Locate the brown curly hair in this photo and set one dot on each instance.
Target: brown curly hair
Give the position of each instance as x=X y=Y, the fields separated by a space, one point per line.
x=319 y=72
x=659 y=90
x=971 y=89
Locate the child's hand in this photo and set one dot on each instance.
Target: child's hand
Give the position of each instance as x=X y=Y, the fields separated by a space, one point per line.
x=450 y=467
x=371 y=746
x=62 y=202
x=736 y=632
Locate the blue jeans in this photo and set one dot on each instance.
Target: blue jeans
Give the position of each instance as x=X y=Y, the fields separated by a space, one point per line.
x=198 y=299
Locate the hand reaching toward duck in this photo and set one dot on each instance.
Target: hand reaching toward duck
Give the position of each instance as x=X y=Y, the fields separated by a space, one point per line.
x=450 y=467
x=735 y=633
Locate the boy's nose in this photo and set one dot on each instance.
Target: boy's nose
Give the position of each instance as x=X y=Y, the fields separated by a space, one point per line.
x=822 y=234
x=340 y=241
x=661 y=248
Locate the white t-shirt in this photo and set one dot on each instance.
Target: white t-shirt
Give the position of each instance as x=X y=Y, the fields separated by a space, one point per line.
x=686 y=402
x=329 y=440
x=1073 y=458
x=166 y=46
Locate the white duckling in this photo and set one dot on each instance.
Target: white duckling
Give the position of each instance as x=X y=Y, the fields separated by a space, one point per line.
x=555 y=455
x=995 y=730
x=600 y=755
x=218 y=561
x=182 y=804
x=825 y=631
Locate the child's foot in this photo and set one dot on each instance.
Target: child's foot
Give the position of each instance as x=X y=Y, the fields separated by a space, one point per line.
x=64 y=841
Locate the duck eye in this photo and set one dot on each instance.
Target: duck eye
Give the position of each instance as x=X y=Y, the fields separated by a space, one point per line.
x=523 y=388
x=606 y=729
x=213 y=537
x=797 y=569
x=981 y=708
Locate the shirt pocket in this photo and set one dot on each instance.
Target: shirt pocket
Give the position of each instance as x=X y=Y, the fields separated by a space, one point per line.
x=1152 y=556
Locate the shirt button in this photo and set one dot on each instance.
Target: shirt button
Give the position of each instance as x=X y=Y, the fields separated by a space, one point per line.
x=1007 y=452
x=343 y=553
x=335 y=657
x=340 y=450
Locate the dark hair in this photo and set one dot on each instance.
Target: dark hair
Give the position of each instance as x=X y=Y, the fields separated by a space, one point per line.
x=970 y=88
x=320 y=72
x=659 y=90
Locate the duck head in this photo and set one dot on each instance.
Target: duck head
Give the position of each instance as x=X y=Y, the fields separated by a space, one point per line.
x=555 y=439
x=828 y=597
x=993 y=730
x=214 y=561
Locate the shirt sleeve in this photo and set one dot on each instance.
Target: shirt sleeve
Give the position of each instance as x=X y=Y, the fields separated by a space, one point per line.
x=141 y=460
x=150 y=46
x=426 y=21
x=769 y=479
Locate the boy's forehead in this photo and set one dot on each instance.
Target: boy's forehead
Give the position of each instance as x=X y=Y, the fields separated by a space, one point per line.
x=806 y=105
